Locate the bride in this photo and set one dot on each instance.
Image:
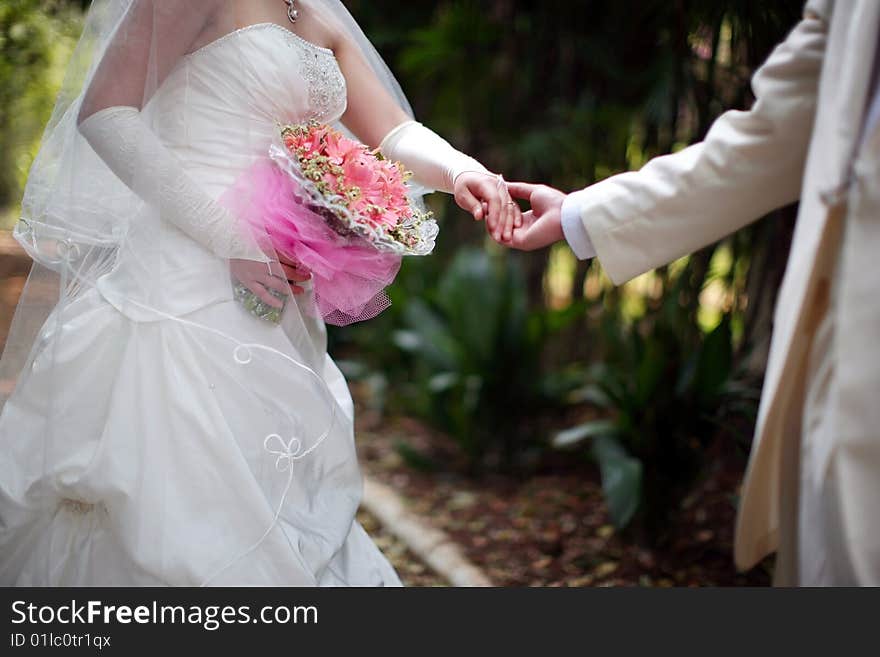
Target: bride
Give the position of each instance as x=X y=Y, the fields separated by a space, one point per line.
x=159 y=433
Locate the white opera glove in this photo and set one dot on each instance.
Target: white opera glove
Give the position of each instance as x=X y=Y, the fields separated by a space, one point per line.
x=135 y=154
x=433 y=161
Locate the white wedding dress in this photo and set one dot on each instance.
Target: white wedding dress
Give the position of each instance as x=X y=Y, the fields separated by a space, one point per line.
x=166 y=465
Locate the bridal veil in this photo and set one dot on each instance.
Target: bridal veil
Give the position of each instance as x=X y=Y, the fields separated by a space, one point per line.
x=212 y=444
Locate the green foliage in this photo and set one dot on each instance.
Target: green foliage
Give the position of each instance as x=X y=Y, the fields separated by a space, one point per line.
x=475 y=351
x=567 y=94
x=36 y=38
x=668 y=397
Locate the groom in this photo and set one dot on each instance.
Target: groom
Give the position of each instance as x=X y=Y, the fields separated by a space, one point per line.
x=812 y=489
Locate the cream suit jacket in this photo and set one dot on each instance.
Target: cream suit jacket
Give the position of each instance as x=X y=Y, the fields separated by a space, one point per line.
x=800 y=141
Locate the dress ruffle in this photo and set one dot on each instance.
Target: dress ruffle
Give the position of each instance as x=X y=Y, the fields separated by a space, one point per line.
x=136 y=454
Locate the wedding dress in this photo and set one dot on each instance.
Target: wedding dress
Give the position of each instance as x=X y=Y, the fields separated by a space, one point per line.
x=161 y=434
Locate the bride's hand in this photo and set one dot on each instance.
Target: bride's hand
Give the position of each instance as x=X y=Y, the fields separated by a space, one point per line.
x=260 y=277
x=485 y=196
x=294 y=272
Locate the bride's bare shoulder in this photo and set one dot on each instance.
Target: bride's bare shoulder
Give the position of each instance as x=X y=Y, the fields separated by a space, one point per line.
x=319 y=25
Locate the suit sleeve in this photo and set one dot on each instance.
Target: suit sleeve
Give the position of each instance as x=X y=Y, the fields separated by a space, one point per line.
x=750 y=163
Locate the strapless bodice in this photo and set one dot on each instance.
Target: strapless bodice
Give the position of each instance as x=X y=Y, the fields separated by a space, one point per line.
x=218 y=110
x=222 y=104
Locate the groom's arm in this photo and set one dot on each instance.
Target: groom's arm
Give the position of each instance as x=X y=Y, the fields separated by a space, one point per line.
x=749 y=163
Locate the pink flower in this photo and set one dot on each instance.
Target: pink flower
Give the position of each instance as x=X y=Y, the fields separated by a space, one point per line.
x=390 y=218
x=358 y=172
x=375 y=189
x=339 y=148
x=359 y=206
x=312 y=143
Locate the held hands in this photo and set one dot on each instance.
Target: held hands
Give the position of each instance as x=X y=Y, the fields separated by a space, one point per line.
x=487 y=197
x=491 y=198
x=483 y=195
x=542 y=225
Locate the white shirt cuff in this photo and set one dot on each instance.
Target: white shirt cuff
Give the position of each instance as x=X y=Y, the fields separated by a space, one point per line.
x=574 y=230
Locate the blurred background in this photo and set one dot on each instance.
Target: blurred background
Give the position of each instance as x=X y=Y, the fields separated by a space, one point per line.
x=562 y=430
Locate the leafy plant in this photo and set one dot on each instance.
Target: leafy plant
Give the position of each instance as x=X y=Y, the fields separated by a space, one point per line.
x=475 y=353
x=667 y=392
x=36 y=38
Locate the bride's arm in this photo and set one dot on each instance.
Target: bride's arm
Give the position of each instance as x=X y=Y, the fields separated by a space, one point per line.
x=148 y=43
x=376 y=118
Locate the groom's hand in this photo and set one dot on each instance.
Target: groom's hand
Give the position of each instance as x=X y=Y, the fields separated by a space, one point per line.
x=485 y=196
x=542 y=225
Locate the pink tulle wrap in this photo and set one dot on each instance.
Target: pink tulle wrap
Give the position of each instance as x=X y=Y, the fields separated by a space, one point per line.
x=349 y=274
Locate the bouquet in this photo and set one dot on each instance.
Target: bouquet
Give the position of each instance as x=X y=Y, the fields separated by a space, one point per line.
x=340 y=210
